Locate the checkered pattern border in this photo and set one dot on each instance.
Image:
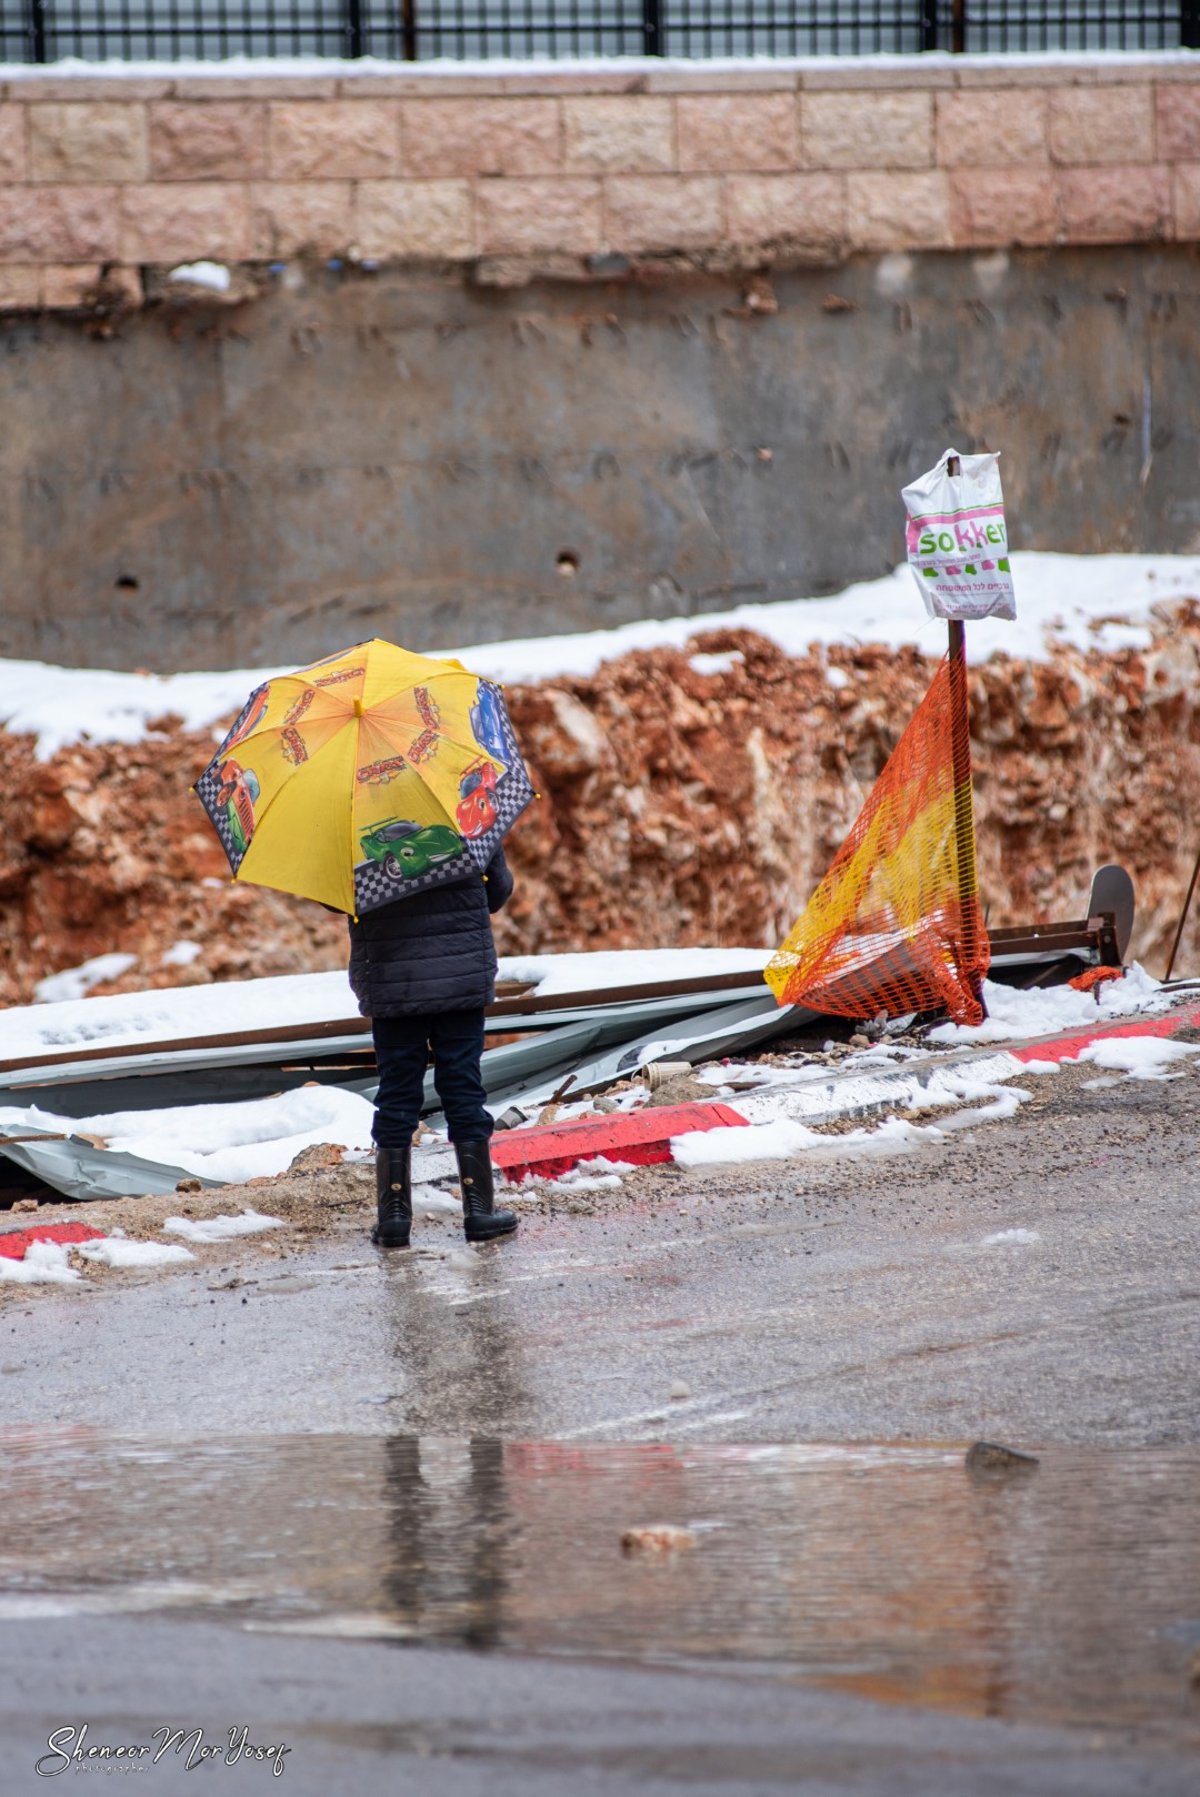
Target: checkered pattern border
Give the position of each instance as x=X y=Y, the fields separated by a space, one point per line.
x=241 y=717
x=374 y=887
x=207 y=787
x=513 y=792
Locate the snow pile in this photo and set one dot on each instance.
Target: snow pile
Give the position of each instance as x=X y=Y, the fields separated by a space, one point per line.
x=612 y=969
x=67 y=1020
x=428 y=1201
x=1141 y=1057
x=171 y=1013
x=181 y=954
x=1003 y=1101
x=222 y=1228
x=211 y=275
x=1004 y=1238
x=1015 y=1016
x=118 y=1251
x=44 y=1263
x=74 y=983
x=720 y=663
x=1103 y=602
x=226 y=1143
x=782 y=1139
x=351 y=69
x=70 y=705
x=595 y=1175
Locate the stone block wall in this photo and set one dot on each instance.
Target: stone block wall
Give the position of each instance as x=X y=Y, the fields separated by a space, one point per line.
x=577 y=173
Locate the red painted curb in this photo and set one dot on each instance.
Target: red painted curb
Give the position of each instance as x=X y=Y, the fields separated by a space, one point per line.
x=14 y=1243
x=1067 y=1048
x=640 y=1137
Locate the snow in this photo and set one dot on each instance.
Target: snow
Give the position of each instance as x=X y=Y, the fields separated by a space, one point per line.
x=182 y=954
x=222 y=1228
x=173 y=1013
x=716 y=664
x=76 y=982
x=228 y=1143
x=1060 y=599
x=1088 y=601
x=783 y=1139
x=1003 y=1103
x=117 y=1251
x=70 y=705
x=1015 y=1237
x=525 y=67
x=607 y=969
x=1015 y=1016
x=1141 y=1057
x=723 y=1147
x=427 y=1201
x=181 y=1013
x=213 y=275
x=45 y=1263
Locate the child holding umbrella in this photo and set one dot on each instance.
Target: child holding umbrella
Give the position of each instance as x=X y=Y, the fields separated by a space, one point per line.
x=423 y=969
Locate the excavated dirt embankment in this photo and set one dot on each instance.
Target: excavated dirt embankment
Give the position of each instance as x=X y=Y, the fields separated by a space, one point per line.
x=678 y=807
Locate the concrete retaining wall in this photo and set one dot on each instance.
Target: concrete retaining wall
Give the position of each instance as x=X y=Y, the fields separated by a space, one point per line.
x=440 y=462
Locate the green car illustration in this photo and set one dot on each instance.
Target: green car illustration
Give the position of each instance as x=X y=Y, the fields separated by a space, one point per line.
x=405 y=849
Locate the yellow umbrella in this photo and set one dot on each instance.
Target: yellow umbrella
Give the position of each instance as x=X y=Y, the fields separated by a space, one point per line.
x=367 y=776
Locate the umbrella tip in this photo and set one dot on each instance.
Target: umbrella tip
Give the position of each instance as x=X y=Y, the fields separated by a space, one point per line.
x=358 y=708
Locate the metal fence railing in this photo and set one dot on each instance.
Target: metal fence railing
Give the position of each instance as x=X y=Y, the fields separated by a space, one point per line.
x=41 y=31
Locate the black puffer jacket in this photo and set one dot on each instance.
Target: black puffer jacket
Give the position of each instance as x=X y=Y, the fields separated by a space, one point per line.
x=432 y=952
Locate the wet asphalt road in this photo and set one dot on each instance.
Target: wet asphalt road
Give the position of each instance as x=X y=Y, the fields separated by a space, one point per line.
x=854 y=1299
x=848 y=1300
x=370 y=1718
x=367 y=1718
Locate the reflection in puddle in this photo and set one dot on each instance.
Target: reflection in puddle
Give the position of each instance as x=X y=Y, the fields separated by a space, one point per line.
x=1072 y=1593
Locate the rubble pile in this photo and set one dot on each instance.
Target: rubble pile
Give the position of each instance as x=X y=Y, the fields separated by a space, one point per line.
x=688 y=797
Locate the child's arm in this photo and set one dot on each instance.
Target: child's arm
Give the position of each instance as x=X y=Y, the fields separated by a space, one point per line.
x=499 y=881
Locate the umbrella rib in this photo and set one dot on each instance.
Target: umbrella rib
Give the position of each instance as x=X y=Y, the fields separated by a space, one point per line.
x=291 y=773
x=263 y=729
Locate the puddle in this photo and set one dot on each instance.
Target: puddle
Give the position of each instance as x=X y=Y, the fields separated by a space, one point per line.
x=1071 y=1593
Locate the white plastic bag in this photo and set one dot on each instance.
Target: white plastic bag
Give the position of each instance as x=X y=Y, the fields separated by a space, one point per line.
x=957 y=540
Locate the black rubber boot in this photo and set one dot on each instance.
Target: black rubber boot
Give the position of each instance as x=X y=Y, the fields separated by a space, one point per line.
x=393 y=1190
x=481 y=1222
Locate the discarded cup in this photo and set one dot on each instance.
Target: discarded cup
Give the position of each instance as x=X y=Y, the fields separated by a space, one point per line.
x=657 y=1073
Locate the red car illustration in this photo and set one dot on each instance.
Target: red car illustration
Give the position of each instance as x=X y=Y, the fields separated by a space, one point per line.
x=476 y=805
x=237 y=792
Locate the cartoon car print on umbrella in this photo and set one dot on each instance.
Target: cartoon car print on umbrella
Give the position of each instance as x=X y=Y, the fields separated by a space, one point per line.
x=405 y=850
x=252 y=714
x=238 y=790
x=428 y=733
x=487 y=722
x=476 y=811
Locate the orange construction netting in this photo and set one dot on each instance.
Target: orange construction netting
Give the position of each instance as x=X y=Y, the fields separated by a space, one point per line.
x=895 y=926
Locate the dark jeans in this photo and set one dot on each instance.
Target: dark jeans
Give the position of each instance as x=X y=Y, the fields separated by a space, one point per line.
x=402 y=1046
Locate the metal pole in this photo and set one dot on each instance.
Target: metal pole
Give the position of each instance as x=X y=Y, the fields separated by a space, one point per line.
x=35 y=30
x=408 y=29
x=929 y=23
x=654 y=33
x=1187 y=904
x=958 y=26
x=960 y=751
x=1189 y=24
x=352 y=28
